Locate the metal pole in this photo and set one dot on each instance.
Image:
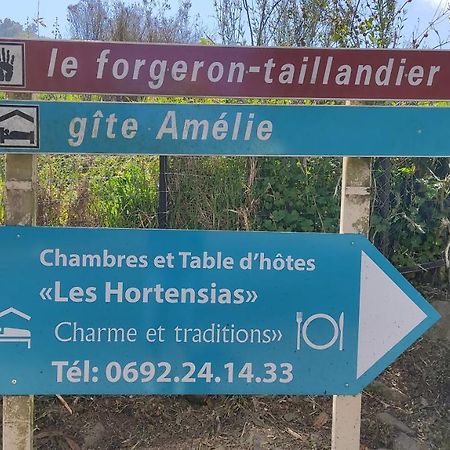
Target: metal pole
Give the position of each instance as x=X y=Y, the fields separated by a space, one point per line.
x=355 y=213
x=163 y=206
x=20 y=210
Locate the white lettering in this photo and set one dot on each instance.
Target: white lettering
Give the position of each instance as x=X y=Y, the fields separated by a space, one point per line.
x=169 y=126
x=69 y=67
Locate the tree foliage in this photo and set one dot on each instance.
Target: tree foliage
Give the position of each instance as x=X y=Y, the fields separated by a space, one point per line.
x=149 y=21
x=325 y=23
x=12 y=29
x=411 y=197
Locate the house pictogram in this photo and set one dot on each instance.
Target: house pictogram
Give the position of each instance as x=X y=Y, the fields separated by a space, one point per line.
x=14 y=113
x=18 y=126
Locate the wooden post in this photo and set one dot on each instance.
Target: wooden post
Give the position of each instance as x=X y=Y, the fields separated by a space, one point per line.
x=355 y=214
x=18 y=411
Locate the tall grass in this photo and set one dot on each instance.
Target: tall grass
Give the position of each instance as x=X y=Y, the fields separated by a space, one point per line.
x=122 y=191
x=109 y=191
x=125 y=192
x=206 y=192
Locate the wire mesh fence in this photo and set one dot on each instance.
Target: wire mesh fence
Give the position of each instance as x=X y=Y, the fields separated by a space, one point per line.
x=411 y=209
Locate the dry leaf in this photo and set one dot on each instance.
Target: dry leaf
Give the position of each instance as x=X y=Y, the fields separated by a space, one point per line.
x=71 y=443
x=295 y=434
x=321 y=420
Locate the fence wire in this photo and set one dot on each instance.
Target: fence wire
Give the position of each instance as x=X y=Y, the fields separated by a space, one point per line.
x=410 y=212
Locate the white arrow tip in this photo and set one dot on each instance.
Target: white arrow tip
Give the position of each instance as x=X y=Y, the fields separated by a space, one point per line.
x=386 y=315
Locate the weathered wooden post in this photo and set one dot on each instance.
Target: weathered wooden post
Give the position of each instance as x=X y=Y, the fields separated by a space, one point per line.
x=20 y=210
x=355 y=213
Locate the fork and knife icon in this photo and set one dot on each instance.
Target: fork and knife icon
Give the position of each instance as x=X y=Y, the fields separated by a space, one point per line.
x=303 y=325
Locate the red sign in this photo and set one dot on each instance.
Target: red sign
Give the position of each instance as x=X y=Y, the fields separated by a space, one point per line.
x=212 y=71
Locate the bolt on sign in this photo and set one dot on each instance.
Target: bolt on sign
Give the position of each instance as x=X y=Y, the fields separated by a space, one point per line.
x=215 y=71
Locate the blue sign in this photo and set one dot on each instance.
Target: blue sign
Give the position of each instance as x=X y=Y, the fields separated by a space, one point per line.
x=114 y=311
x=220 y=129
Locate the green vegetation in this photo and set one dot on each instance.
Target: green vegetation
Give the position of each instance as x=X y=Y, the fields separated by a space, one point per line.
x=274 y=194
x=299 y=194
x=109 y=191
x=207 y=193
x=125 y=194
x=415 y=217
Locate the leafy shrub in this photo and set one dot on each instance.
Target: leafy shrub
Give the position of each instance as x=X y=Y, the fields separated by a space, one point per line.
x=417 y=223
x=298 y=194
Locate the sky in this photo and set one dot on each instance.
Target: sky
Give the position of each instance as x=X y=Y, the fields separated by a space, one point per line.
x=420 y=13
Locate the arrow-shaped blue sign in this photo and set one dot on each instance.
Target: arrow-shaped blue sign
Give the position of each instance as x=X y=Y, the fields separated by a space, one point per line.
x=202 y=129
x=102 y=311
